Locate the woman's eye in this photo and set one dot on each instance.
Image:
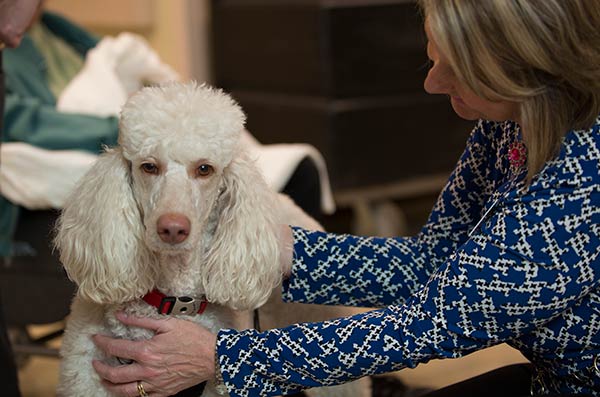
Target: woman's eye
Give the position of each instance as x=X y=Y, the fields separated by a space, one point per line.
x=149 y=168
x=204 y=170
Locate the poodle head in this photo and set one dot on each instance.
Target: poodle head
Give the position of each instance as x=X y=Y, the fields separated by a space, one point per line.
x=179 y=139
x=186 y=190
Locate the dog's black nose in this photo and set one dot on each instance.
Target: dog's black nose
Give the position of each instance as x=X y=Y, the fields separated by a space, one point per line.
x=173 y=228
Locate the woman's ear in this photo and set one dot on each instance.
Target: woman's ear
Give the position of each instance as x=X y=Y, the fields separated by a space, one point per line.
x=242 y=265
x=100 y=235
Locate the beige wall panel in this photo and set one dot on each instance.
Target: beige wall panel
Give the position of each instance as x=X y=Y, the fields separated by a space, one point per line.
x=177 y=29
x=103 y=15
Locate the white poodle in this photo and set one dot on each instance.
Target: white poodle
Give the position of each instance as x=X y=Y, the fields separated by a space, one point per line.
x=179 y=209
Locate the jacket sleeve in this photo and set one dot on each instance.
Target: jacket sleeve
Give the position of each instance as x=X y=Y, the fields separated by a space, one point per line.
x=28 y=119
x=376 y=272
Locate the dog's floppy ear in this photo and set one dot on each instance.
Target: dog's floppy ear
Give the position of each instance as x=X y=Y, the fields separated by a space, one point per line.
x=99 y=235
x=242 y=264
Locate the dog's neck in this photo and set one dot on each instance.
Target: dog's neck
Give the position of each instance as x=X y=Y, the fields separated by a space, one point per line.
x=177 y=275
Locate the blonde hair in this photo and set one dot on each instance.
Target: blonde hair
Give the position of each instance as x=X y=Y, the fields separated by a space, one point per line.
x=542 y=54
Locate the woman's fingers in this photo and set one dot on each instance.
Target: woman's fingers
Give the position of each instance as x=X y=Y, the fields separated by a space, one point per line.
x=127 y=349
x=121 y=374
x=129 y=389
x=121 y=348
x=123 y=380
x=157 y=325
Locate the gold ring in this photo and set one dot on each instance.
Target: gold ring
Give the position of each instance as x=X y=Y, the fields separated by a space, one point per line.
x=141 y=390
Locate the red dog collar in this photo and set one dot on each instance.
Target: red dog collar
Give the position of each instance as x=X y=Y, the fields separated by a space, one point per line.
x=175 y=304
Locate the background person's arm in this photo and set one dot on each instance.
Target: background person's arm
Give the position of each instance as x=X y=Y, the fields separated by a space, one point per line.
x=29 y=120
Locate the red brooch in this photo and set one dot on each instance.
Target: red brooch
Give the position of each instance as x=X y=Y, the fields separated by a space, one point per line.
x=517 y=156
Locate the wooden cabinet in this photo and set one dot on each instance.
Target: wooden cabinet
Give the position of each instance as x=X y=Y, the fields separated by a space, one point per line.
x=345 y=76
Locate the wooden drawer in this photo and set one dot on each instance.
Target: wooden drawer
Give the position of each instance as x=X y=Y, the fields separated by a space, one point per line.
x=325 y=48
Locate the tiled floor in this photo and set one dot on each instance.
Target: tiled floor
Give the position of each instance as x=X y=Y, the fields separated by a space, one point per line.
x=39 y=376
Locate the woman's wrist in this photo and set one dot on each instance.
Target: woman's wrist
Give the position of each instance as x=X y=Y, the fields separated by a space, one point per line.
x=286 y=250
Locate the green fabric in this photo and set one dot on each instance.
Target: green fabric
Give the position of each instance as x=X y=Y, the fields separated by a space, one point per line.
x=63 y=62
x=30 y=113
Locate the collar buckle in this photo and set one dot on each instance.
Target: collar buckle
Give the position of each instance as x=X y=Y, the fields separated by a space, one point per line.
x=187 y=305
x=175 y=305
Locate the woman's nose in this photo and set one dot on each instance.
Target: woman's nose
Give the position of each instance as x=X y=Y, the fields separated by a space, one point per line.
x=434 y=82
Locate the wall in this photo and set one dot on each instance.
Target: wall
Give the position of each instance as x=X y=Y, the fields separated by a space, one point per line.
x=177 y=29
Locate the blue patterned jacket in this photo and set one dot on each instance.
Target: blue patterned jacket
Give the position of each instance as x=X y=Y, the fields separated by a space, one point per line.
x=527 y=275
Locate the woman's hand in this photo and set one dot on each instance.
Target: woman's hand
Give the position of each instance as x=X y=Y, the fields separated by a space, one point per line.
x=179 y=356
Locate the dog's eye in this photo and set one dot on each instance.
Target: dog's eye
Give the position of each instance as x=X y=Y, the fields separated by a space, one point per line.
x=204 y=170
x=149 y=168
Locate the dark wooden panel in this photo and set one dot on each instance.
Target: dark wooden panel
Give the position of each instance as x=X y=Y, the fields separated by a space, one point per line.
x=378 y=50
x=267 y=47
x=367 y=141
x=305 y=48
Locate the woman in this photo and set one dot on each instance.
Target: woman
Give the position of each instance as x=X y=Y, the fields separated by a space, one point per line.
x=509 y=253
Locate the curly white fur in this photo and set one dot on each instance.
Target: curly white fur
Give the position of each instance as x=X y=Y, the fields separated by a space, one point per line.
x=107 y=234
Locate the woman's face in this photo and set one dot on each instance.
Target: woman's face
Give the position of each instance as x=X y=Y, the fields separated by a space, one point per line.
x=442 y=80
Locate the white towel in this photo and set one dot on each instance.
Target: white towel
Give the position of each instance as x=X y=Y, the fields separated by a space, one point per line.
x=113 y=70
x=37 y=178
